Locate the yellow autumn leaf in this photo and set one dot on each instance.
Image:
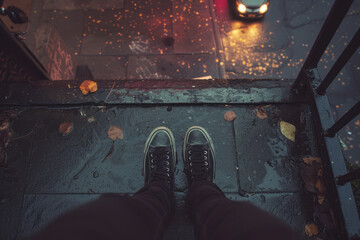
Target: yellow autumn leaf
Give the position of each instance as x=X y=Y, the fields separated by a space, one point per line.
x=88 y=86
x=288 y=130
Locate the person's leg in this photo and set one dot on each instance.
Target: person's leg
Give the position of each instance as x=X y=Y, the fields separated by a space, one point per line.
x=114 y=216
x=215 y=216
x=143 y=216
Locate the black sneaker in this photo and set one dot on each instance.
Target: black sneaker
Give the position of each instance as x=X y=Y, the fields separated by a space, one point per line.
x=160 y=157
x=198 y=155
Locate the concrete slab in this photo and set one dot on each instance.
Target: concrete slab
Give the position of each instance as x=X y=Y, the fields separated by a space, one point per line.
x=172 y=66
x=268 y=161
x=14 y=177
x=10 y=216
x=111 y=32
x=80 y=5
x=105 y=67
x=75 y=163
x=35 y=18
x=289 y=207
x=192 y=26
x=69 y=24
x=40 y=210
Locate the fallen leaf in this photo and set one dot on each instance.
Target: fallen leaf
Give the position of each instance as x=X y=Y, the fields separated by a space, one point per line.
x=65 y=128
x=320 y=186
x=311 y=160
x=230 y=116
x=309 y=176
x=5 y=137
x=320 y=172
x=288 y=130
x=311 y=229
x=88 y=86
x=91 y=119
x=320 y=198
x=260 y=112
x=115 y=132
x=4 y=124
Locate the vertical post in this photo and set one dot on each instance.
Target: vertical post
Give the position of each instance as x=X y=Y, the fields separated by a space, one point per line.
x=339 y=64
x=350 y=176
x=328 y=30
x=350 y=115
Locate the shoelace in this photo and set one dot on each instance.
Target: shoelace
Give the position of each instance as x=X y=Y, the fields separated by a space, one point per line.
x=160 y=163
x=198 y=161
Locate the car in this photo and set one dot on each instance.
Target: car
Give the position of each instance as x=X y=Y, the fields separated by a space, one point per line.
x=251 y=9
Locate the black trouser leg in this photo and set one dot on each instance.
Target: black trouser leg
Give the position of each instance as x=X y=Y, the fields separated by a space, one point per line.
x=216 y=217
x=110 y=217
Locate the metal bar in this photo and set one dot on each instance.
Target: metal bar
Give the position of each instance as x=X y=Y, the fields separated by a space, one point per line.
x=350 y=115
x=339 y=64
x=341 y=198
x=328 y=30
x=350 y=176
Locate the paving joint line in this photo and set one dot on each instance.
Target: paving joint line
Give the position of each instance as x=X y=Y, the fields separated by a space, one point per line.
x=218 y=42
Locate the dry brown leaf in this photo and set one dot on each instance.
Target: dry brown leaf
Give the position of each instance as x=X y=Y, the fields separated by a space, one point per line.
x=320 y=186
x=320 y=172
x=311 y=160
x=320 y=198
x=4 y=124
x=311 y=229
x=288 y=130
x=115 y=132
x=260 y=112
x=309 y=176
x=230 y=116
x=65 y=128
x=88 y=86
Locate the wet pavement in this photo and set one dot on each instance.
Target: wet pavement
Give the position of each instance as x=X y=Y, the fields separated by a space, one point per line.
x=47 y=173
x=130 y=39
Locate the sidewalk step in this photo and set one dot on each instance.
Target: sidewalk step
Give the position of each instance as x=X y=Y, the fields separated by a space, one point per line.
x=52 y=173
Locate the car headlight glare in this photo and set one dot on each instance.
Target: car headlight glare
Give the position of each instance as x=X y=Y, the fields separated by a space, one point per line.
x=263 y=8
x=242 y=8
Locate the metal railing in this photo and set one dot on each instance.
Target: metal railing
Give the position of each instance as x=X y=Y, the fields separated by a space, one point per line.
x=308 y=79
x=327 y=32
